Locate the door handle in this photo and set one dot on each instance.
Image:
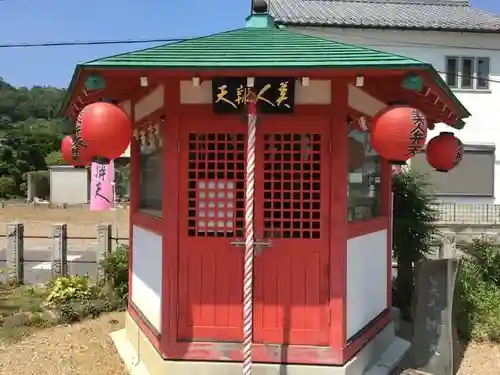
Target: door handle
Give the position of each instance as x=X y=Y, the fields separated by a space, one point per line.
x=259 y=245
x=238 y=243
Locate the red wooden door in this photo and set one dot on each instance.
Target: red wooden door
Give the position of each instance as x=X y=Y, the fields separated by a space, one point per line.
x=291 y=297
x=212 y=157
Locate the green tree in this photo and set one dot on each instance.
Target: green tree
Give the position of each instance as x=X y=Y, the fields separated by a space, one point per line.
x=122 y=178
x=413 y=228
x=54 y=158
x=29 y=131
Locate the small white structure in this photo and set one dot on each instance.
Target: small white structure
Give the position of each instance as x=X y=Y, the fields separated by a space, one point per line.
x=69 y=185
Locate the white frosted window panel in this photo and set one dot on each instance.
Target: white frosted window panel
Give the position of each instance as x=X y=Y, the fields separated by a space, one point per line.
x=215 y=206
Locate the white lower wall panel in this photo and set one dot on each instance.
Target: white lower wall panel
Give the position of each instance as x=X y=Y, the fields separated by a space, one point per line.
x=366 y=279
x=147 y=274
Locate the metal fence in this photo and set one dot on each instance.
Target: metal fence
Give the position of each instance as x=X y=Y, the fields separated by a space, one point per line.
x=32 y=259
x=31 y=256
x=463 y=213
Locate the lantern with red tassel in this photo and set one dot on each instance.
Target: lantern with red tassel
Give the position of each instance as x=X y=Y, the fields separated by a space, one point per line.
x=74 y=153
x=105 y=128
x=444 y=152
x=398 y=133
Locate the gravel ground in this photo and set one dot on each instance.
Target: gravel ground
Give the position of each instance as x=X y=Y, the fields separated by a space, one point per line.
x=80 y=349
x=481 y=359
x=86 y=349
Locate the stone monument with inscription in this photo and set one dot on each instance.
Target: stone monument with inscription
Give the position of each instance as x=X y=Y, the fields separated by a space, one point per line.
x=435 y=338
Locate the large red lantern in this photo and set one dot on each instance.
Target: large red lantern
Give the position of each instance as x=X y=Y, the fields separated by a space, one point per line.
x=75 y=153
x=398 y=133
x=444 y=152
x=105 y=128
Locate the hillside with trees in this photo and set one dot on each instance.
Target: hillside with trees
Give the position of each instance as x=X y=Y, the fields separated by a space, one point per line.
x=30 y=130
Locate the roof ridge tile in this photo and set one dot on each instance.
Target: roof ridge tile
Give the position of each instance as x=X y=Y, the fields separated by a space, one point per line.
x=396 y=14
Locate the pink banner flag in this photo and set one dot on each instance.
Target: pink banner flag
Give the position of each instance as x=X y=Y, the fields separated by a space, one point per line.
x=101 y=185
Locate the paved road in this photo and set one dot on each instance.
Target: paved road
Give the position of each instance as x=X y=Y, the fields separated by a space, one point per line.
x=37 y=264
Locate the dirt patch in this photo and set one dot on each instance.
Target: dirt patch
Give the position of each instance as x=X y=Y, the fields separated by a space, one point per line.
x=39 y=220
x=83 y=348
x=478 y=359
x=81 y=221
x=481 y=359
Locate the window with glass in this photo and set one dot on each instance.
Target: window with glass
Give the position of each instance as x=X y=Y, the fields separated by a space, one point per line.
x=150 y=170
x=363 y=183
x=471 y=73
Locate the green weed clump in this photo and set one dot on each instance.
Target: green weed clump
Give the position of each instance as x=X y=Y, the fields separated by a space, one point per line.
x=479 y=292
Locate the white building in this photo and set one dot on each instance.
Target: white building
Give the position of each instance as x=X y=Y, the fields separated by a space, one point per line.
x=463 y=43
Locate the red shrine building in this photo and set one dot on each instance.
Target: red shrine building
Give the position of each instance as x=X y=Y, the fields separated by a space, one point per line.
x=322 y=216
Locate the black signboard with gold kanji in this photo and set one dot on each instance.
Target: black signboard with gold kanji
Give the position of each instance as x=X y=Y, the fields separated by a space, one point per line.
x=275 y=95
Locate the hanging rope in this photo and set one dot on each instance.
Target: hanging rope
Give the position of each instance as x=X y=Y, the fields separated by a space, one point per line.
x=249 y=239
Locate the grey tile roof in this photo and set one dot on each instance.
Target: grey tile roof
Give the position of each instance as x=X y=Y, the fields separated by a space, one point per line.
x=453 y=15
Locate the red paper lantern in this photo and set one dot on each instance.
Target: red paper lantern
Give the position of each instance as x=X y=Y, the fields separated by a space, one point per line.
x=356 y=154
x=105 y=128
x=444 y=152
x=74 y=153
x=398 y=133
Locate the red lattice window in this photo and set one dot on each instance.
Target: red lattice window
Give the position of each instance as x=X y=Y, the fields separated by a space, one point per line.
x=292 y=198
x=216 y=172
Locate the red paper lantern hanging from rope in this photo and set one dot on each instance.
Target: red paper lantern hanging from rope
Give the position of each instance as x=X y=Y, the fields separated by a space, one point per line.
x=74 y=153
x=444 y=152
x=105 y=128
x=398 y=133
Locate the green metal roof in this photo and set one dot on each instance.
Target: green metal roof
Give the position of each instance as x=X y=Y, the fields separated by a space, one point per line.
x=259 y=45
x=256 y=47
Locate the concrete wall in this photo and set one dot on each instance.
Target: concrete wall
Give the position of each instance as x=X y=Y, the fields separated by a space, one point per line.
x=69 y=185
x=468 y=232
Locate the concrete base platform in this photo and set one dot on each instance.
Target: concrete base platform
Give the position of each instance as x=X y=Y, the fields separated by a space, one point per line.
x=379 y=357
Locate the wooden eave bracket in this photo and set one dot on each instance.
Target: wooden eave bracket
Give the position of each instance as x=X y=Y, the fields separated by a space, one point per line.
x=431 y=94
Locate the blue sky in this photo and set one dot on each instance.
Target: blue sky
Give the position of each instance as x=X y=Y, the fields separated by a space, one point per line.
x=58 y=20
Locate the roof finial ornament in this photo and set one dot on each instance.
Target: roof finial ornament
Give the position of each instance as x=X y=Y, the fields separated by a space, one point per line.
x=259 y=7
